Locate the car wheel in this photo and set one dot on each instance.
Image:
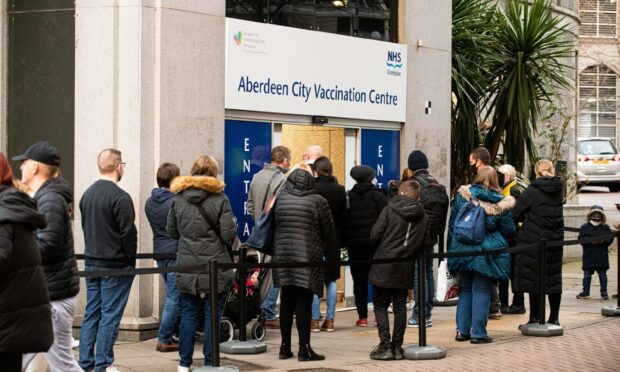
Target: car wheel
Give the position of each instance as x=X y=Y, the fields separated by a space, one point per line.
x=614 y=187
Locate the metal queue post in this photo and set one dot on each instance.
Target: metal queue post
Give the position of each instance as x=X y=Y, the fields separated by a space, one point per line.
x=614 y=310
x=542 y=329
x=423 y=351
x=242 y=345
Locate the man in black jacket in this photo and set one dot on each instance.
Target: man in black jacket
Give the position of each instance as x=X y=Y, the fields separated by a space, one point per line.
x=110 y=237
x=436 y=202
x=40 y=168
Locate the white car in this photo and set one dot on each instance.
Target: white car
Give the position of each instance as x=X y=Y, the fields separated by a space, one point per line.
x=598 y=163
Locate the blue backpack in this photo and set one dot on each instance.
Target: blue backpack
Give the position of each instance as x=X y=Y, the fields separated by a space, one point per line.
x=469 y=225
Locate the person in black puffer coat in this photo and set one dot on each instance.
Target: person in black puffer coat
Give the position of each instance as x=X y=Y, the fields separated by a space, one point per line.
x=302 y=226
x=365 y=205
x=25 y=311
x=40 y=170
x=541 y=211
x=327 y=186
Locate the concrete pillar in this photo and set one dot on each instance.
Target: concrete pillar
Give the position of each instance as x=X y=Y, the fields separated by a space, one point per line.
x=425 y=26
x=150 y=82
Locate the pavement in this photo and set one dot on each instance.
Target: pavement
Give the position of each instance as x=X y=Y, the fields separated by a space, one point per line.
x=590 y=342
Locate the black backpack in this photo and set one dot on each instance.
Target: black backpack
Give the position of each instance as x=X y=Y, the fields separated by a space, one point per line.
x=436 y=203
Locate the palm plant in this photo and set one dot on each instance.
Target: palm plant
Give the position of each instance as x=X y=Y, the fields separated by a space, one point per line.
x=472 y=51
x=530 y=45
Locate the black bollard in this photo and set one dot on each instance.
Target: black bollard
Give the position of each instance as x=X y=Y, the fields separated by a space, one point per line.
x=215 y=324
x=422 y=298
x=542 y=279
x=242 y=294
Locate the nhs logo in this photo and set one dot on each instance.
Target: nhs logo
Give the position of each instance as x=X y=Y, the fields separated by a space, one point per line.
x=394 y=60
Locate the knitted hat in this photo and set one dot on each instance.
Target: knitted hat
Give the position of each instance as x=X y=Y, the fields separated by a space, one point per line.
x=362 y=173
x=417 y=160
x=597 y=209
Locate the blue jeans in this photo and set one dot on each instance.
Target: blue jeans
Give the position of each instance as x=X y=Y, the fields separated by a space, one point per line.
x=430 y=288
x=473 y=307
x=190 y=311
x=106 y=298
x=331 y=297
x=171 y=307
x=587 y=280
x=270 y=303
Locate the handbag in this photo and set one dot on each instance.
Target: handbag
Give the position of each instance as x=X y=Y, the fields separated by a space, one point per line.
x=447 y=286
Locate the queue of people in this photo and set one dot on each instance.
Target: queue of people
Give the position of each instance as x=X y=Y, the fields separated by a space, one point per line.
x=314 y=217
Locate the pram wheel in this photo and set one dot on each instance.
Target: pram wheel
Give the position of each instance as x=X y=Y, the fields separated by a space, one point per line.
x=258 y=331
x=227 y=330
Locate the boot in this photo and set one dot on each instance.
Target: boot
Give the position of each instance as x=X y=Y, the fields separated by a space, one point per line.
x=306 y=354
x=285 y=352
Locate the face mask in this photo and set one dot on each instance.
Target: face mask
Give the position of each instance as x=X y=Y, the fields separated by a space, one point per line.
x=501 y=179
x=595 y=223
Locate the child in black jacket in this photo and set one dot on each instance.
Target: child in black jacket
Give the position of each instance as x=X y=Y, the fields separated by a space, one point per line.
x=595 y=254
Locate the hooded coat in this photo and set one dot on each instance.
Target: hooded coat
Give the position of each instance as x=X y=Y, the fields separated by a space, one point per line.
x=541 y=211
x=328 y=187
x=156 y=209
x=25 y=313
x=399 y=232
x=201 y=241
x=303 y=225
x=498 y=226
x=366 y=203
x=595 y=254
x=55 y=240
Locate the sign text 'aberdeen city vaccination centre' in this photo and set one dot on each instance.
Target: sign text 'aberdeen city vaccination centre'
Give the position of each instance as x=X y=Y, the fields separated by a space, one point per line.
x=286 y=70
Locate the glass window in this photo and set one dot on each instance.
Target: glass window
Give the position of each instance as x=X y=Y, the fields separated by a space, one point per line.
x=596 y=147
x=371 y=19
x=597 y=103
x=598 y=18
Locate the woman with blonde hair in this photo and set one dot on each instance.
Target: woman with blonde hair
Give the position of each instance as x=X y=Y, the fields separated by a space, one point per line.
x=541 y=211
x=478 y=274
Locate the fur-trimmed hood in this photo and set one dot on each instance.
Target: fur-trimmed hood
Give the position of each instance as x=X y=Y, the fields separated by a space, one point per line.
x=493 y=203
x=205 y=183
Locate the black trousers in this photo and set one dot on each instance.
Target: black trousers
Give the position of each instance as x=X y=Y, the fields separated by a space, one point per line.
x=10 y=362
x=295 y=301
x=360 y=289
x=518 y=299
x=554 y=306
x=382 y=299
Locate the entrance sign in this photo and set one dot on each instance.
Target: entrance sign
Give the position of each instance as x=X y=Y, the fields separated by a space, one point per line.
x=381 y=151
x=287 y=70
x=247 y=148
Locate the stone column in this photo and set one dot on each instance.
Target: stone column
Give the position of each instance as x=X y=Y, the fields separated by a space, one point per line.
x=426 y=28
x=150 y=82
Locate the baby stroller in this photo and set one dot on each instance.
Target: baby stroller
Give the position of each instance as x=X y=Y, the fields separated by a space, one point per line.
x=231 y=313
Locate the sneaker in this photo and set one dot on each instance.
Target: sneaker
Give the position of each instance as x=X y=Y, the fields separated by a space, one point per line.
x=182 y=369
x=328 y=325
x=495 y=315
x=166 y=348
x=273 y=323
x=604 y=296
x=315 y=326
x=413 y=323
x=583 y=295
x=382 y=352
x=398 y=353
x=362 y=323
x=112 y=369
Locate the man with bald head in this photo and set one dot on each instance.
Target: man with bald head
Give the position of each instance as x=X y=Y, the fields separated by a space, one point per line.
x=312 y=153
x=110 y=238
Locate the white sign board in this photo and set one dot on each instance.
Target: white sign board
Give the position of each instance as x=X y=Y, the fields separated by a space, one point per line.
x=287 y=70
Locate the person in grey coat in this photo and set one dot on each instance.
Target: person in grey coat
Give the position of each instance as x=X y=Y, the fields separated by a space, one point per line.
x=302 y=227
x=200 y=241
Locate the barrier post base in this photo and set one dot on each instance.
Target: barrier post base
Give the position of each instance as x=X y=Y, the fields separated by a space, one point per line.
x=416 y=352
x=613 y=310
x=220 y=368
x=243 y=347
x=541 y=330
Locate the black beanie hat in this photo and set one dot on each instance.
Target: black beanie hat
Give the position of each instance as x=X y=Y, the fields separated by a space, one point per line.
x=417 y=160
x=362 y=173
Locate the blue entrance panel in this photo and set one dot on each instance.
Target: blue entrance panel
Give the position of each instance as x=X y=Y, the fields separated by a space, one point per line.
x=247 y=147
x=381 y=151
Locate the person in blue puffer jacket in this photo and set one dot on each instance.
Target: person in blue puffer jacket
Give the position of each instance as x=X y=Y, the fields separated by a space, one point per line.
x=478 y=273
x=156 y=209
